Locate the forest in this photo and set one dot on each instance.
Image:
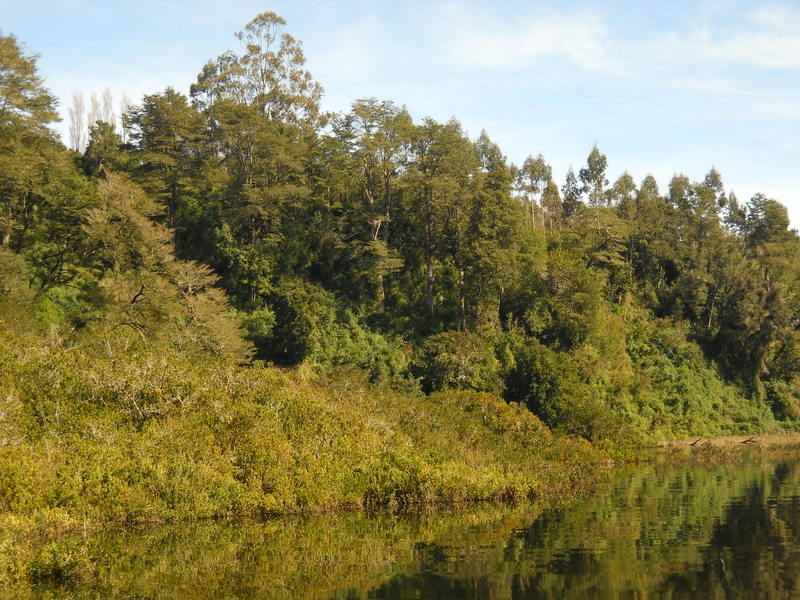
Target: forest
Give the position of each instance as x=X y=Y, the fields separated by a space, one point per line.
x=236 y=302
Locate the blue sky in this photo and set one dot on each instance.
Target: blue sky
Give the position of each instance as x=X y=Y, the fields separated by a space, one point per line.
x=661 y=87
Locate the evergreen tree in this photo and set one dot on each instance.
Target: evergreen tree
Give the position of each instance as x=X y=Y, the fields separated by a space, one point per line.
x=593 y=177
x=571 y=195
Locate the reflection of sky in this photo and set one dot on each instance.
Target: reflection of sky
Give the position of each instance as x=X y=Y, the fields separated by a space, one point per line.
x=661 y=87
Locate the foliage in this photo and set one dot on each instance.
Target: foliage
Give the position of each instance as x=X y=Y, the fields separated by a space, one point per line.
x=150 y=436
x=459 y=360
x=140 y=279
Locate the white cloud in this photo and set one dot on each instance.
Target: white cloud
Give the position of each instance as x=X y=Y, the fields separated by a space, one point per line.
x=785 y=109
x=474 y=39
x=773 y=41
x=688 y=57
x=768 y=37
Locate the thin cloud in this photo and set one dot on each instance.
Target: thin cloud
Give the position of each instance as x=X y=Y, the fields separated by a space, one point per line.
x=768 y=37
x=785 y=109
x=478 y=40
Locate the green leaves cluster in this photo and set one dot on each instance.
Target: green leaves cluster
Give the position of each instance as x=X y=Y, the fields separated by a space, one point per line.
x=402 y=247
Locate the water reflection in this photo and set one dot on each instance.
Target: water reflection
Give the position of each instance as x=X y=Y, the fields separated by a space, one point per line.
x=723 y=532
x=661 y=532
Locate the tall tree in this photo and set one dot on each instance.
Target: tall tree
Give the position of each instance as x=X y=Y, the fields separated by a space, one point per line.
x=376 y=135
x=623 y=194
x=438 y=184
x=593 y=177
x=168 y=134
x=487 y=259
x=27 y=150
x=77 y=123
x=571 y=194
x=532 y=179
x=268 y=75
x=262 y=112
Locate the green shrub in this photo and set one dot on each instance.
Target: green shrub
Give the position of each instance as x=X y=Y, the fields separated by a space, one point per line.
x=458 y=360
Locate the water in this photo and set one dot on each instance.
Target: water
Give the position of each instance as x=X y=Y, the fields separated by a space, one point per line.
x=654 y=532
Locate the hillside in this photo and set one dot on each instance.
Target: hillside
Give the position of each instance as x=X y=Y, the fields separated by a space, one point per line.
x=236 y=303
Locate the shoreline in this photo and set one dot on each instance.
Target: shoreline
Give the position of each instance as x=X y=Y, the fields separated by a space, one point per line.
x=763 y=440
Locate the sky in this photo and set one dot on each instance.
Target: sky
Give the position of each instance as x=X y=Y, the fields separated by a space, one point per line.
x=661 y=87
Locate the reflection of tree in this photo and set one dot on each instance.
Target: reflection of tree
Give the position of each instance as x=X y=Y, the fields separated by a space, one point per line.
x=729 y=531
x=748 y=549
x=672 y=533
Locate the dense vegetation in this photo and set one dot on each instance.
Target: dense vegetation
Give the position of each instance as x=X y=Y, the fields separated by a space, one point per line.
x=442 y=310
x=697 y=531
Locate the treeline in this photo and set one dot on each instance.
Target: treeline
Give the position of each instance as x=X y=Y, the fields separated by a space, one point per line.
x=243 y=220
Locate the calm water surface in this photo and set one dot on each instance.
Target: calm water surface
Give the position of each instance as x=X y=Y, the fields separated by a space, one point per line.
x=673 y=532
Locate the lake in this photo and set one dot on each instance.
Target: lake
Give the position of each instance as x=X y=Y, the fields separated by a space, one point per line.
x=724 y=531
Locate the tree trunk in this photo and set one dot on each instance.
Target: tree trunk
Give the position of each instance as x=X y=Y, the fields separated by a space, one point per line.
x=431 y=279
x=711 y=310
x=173 y=204
x=6 y=241
x=381 y=293
x=462 y=300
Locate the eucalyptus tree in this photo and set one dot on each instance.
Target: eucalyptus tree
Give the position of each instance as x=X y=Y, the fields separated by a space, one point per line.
x=531 y=181
x=552 y=205
x=438 y=184
x=571 y=195
x=593 y=177
x=262 y=115
x=268 y=75
x=376 y=140
x=623 y=194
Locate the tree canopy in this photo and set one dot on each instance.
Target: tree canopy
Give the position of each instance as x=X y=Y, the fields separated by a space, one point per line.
x=242 y=219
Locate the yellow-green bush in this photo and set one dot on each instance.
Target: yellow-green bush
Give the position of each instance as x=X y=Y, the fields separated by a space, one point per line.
x=157 y=436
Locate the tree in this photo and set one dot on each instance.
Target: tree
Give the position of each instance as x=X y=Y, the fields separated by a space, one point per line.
x=767 y=221
x=262 y=114
x=137 y=292
x=268 y=75
x=107 y=113
x=438 y=184
x=458 y=360
x=593 y=177
x=571 y=195
x=168 y=136
x=77 y=123
x=623 y=194
x=103 y=150
x=26 y=106
x=27 y=149
x=486 y=256
x=552 y=205
x=531 y=181
x=374 y=141
x=648 y=189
